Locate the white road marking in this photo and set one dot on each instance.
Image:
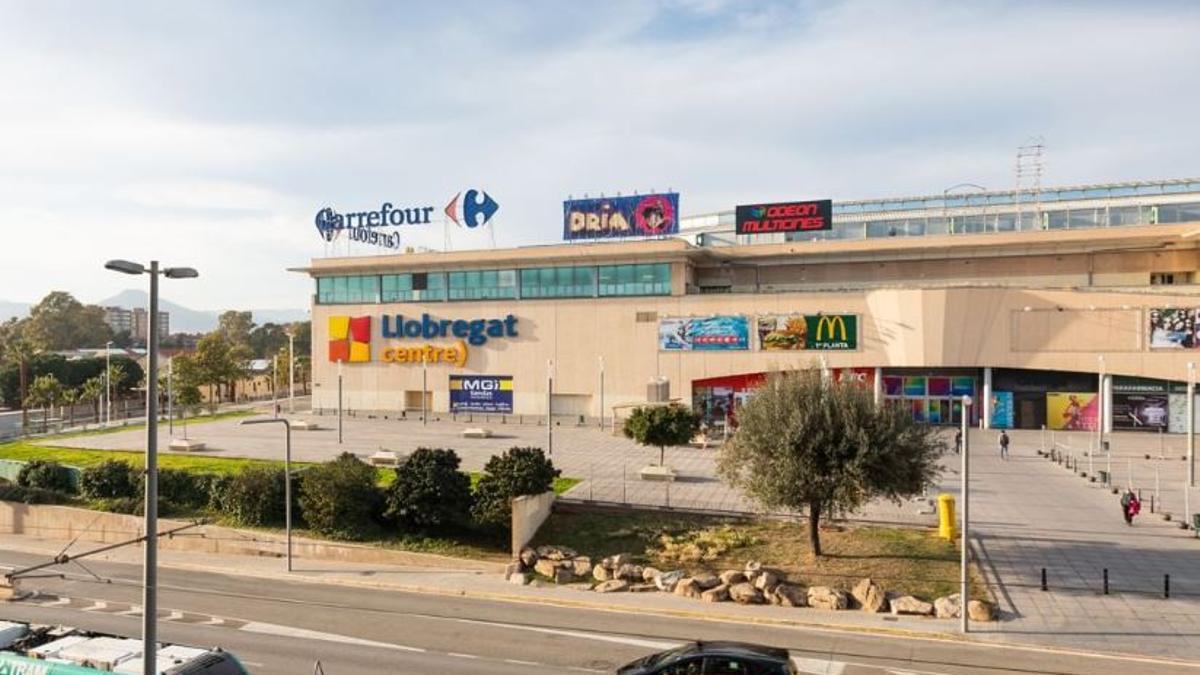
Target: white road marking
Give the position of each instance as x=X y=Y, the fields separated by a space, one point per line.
x=56 y=603
x=215 y=621
x=618 y=639
x=175 y=615
x=462 y=656
x=818 y=666
x=100 y=604
x=519 y=662
x=134 y=610
x=289 y=631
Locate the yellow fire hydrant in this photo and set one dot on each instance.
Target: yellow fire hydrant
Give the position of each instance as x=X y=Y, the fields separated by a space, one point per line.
x=946 y=516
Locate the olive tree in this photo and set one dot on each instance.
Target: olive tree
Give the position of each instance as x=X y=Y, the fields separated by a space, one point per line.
x=806 y=443
x=662 y=425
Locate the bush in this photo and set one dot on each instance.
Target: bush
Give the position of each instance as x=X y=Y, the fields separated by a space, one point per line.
x=254 y=496
x=127 y=505
x=429 y=491
x=110 y=479
x=182 y=489
x=216 y=489
x=10 y=492
x=339 y=498
x=46 y=476
x=520 y=471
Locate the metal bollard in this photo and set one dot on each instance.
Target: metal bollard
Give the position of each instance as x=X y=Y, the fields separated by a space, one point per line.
x=1166 y=585
x=1151 y=503
x=1044 y=579
x=1106 y=581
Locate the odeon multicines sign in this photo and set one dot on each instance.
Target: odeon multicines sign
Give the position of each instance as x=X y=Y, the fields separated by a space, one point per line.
x=350 y=338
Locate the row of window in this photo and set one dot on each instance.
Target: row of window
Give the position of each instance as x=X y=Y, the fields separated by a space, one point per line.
x=542 y=282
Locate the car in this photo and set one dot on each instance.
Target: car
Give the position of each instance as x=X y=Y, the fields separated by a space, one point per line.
x=714 y=658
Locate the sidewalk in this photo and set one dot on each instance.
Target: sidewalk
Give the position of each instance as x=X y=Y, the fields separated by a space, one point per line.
x=1028 y=513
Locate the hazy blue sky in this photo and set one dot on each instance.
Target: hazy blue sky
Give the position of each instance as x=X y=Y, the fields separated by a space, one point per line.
x=209 y=133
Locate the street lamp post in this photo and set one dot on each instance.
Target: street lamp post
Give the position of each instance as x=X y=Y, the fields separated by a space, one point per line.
x=602 y=392
x=424 y=389
x=1100 y=402
x=339 y=402
x=1191 y=413
x=150 y=559
x=107 y=412
x=550 y=407
x=170 y=397
x=287 y=480
x=275 y=386
x=966 y=501
x=292 y=373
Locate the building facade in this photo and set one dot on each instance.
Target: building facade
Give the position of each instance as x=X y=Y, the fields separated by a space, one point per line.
x=136 y=322
x=1063 y=308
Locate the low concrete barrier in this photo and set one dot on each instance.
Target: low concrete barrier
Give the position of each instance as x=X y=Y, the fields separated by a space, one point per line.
x=528 y=514
x=66 y=523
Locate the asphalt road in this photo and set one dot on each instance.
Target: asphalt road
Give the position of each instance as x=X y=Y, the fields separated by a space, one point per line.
x=286 y=627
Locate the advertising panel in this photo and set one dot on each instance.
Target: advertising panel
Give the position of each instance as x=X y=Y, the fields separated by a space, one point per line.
x=800 y=332
x=1141 y=412
x=1177 y=413
x=807 y=216
x=1172 y=328
x=481 y=393
x=1071 y=411
x=1002 y=410
x=611 y=217
x=864 y=377
x=713 y=333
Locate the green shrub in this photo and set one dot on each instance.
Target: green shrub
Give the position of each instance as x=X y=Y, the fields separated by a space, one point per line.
x=46 y=476
x=339 y=498
x=127 y=505
x=429 y=491
x=11 y=492
x=520 y=471
x=216 y=489
x=254 y=496
x=110 y=479
x=182 y=488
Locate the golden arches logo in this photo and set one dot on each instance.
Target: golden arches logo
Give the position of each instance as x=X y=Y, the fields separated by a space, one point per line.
x=829 y=326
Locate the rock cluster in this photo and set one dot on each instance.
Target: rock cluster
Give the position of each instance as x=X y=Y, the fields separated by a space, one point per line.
x=752 y=585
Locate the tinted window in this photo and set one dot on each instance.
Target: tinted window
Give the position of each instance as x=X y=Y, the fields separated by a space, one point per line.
x=692 y=666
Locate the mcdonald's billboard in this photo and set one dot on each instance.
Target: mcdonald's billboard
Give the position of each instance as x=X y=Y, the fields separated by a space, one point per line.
x=798 y=332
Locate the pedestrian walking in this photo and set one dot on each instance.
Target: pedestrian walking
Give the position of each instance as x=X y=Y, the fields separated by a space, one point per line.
x=1003 y=445
x=957 y=441
x=1130 y=506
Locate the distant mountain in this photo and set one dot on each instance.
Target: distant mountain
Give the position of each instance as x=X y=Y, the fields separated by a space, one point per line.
x=185 y=320
x=9 y=310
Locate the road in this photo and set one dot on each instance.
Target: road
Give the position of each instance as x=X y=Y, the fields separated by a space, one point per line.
x=286 y=626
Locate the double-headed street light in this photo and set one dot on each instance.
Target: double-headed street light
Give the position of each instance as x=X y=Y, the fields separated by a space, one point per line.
x=150 y=559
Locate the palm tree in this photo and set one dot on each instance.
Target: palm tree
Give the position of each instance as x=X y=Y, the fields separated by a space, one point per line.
x=20 y=352
x=70 y=396
x=46 y=391
x=92 y=391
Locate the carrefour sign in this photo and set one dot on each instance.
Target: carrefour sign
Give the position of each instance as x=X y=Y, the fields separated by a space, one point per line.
x=468 y=208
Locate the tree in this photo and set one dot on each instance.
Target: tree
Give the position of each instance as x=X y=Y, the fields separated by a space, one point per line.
x=92 y=391
x=662 y=425
x=267 y=339
x=218 y=362
x=20 y=352
x=235 y=327
x=45 y=392
x=802 y=443
x=519 y=471
x=339 y=497
x=429 y=491
x=60 y=322
x=70 y=397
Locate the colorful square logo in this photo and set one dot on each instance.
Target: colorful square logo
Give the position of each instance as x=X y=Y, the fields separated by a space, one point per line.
x=350 y=339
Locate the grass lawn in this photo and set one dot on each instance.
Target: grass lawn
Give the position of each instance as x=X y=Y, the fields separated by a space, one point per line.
x=911 y=561
x=200 y=419
x=82 y=458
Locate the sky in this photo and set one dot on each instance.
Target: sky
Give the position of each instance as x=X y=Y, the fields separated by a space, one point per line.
x=208 y=134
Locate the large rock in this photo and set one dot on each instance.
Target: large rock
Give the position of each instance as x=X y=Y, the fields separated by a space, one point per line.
x=642 y=588
x=978 y=610
x=629 y=572
x=907 y=604
x=788 y=595
x=513 y=568
x=601 y=573
x=949 y=607
x=716 y=594
x=563 y=575
x=745 y=594
x=612 y=586
x=869 y=596
x=687 y=588
x=667 y=581
x=732 y=577
x=581 y=565
x=519 y=579
x=649 y=574
x=555 y=552
x=766 y=581
x=613 y=562
x=529 y=557
x=824 y=597
x=753 y=567
x=546 y=567
x=706 y=581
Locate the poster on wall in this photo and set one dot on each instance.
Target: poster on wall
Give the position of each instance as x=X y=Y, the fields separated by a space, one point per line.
x=1002 y=410
x=1172 y=328
x=1140 y=412
x=1177 y=413
x=800 y=332
x=1071 y=411
x=481 y=393
x=713 y=333
x=864 y=377
x=612 y=217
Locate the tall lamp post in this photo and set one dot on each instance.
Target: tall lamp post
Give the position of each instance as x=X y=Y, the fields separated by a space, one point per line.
x=550 y=407
x=150 y=560
x=601 y=392
x=170 y=396
x=287 y=479
x=292 y=372
x=966 y=501
x=107 y=383
x=1191 y=446
x=339 y=402
x=1100 y=403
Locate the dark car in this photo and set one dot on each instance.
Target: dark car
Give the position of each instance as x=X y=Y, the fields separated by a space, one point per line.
x=714 y=658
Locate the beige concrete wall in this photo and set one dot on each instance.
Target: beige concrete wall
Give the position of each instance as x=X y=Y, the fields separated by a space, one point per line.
x=936 y=327
x=68 y=523
x=528 y=514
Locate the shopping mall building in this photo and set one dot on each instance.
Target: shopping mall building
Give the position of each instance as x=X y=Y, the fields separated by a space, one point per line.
x=1027 y=301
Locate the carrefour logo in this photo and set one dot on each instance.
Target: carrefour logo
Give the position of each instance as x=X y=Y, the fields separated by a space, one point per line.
x=476 y=209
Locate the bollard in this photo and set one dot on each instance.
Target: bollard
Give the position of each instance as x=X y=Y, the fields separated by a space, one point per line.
x=1106 y=581
x=946 y=516
x=1151 y=503
x=1044 y=579
x=1166 y=585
